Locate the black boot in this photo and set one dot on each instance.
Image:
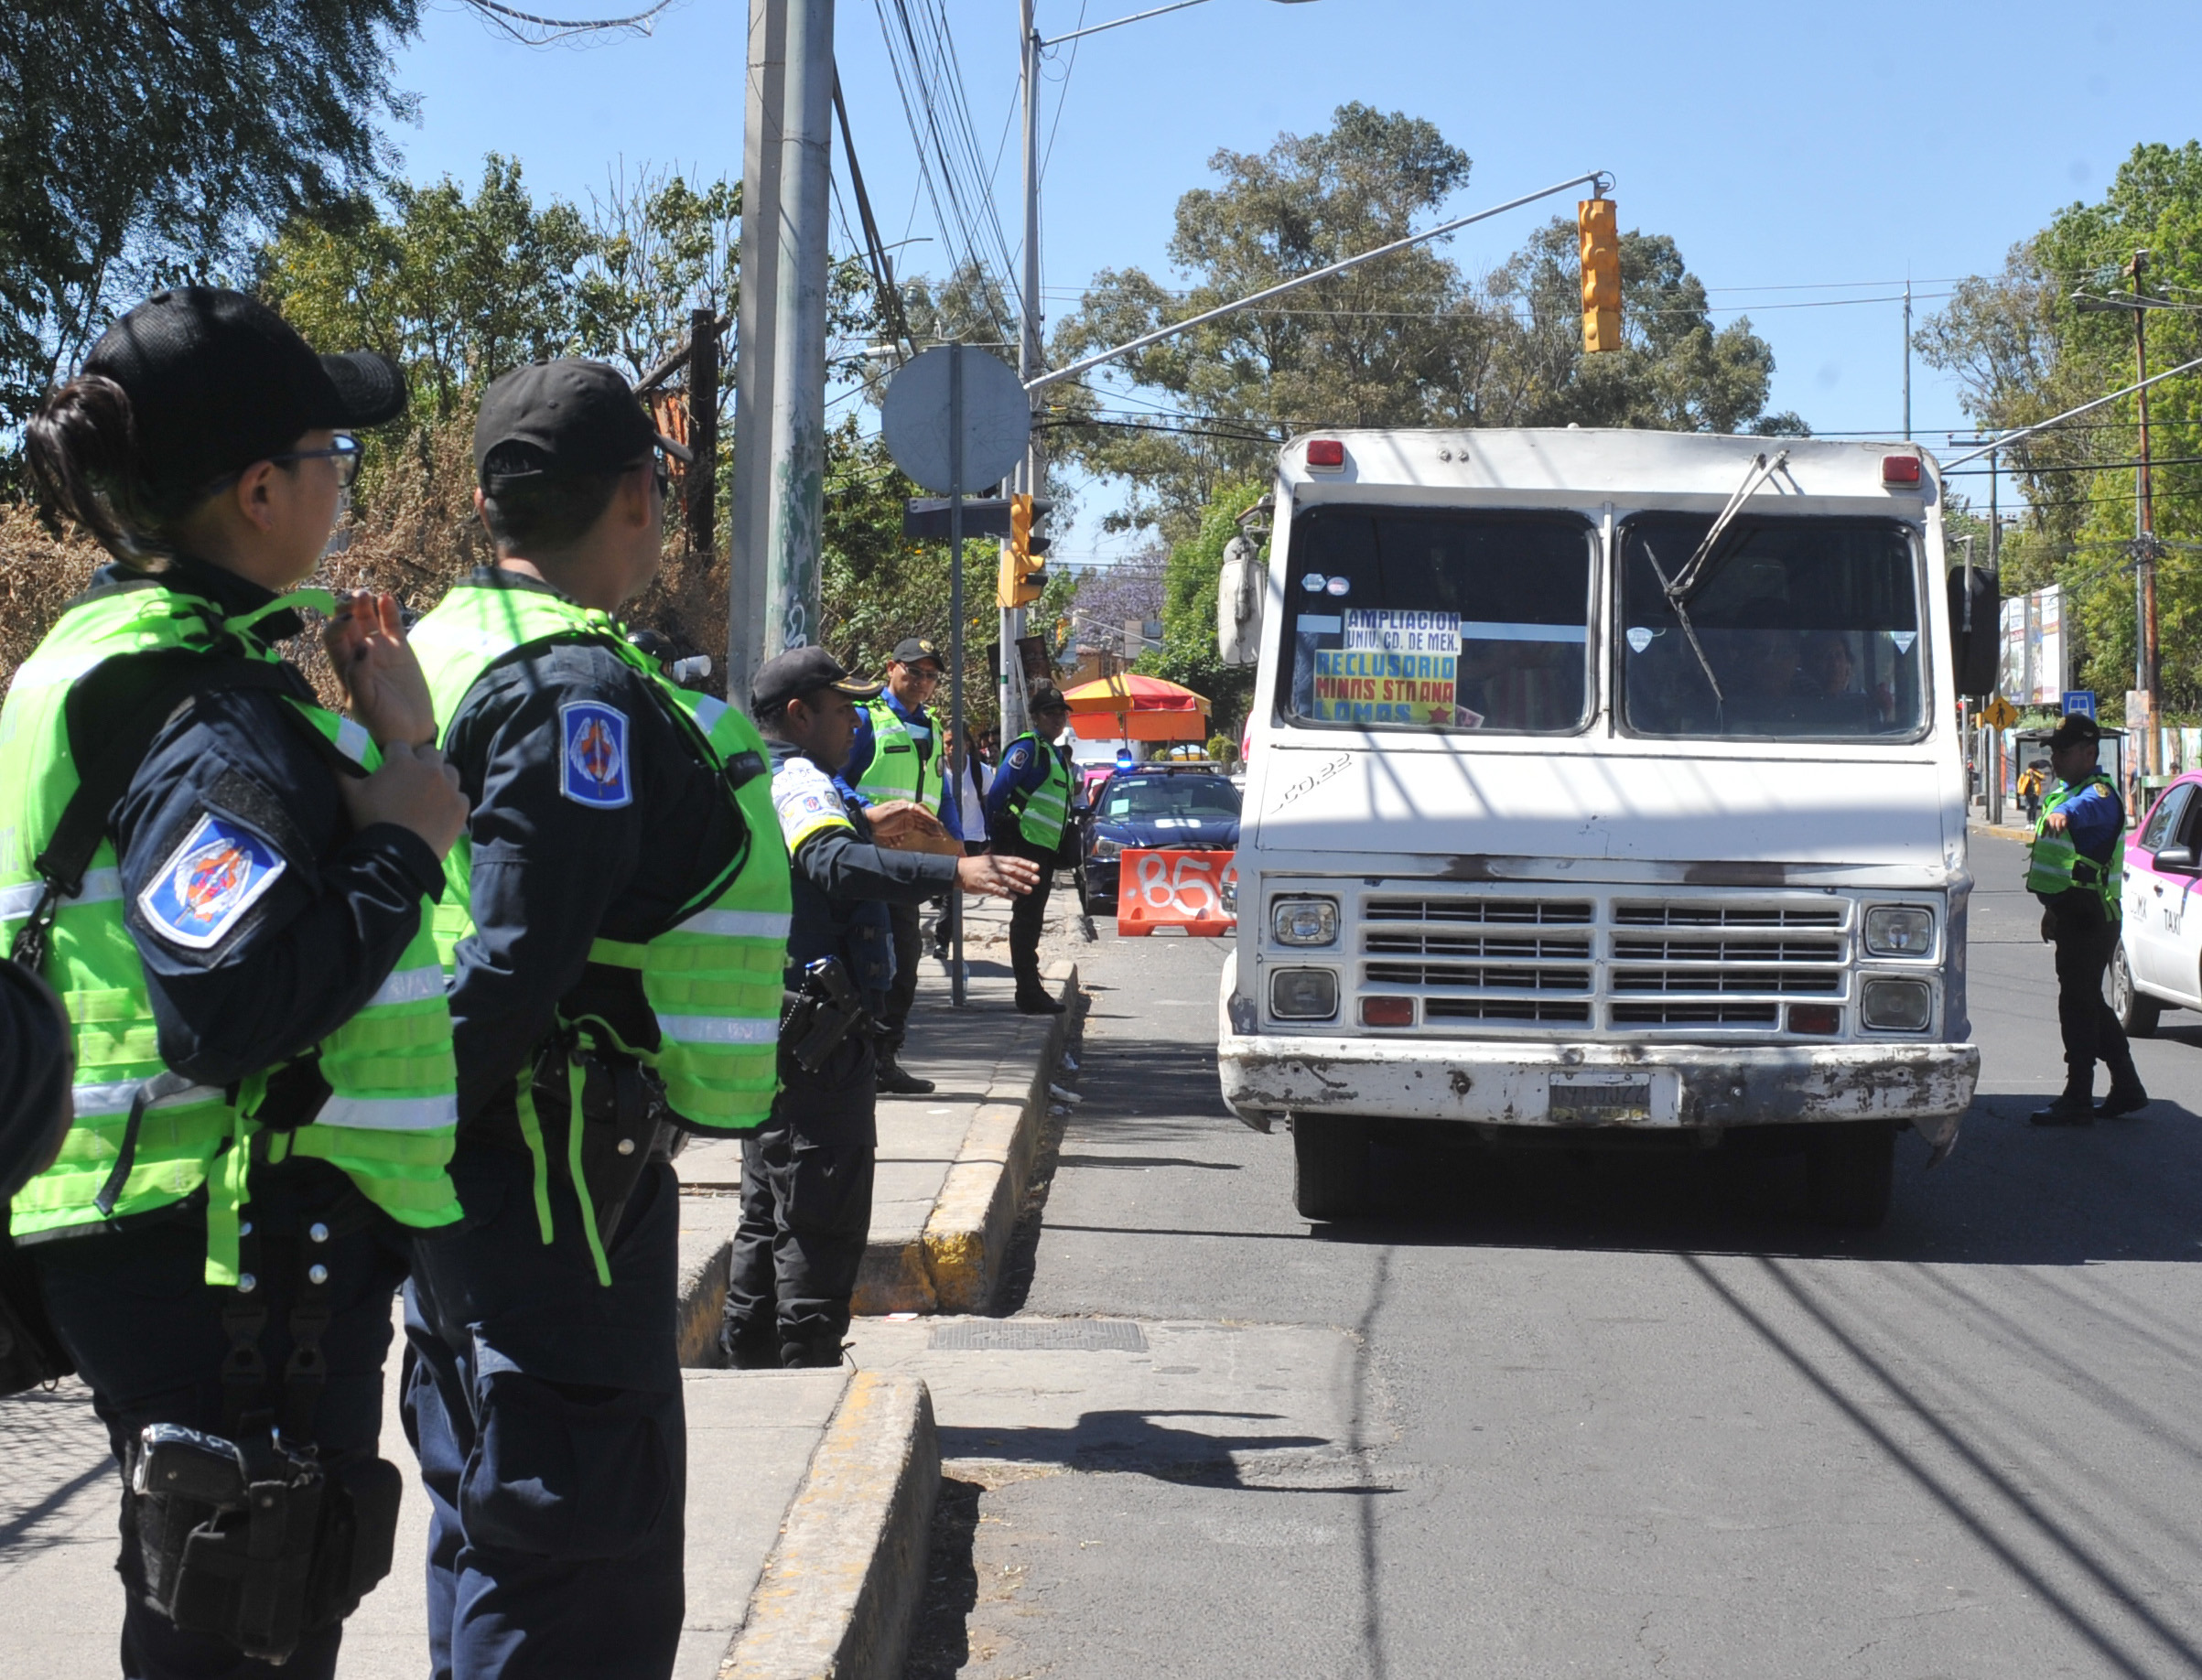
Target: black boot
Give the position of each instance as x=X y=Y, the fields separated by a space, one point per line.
x=2075 y=1107
x=748 y=1351
x=895 y=1080
x=2127 y=1096
x=1038 y=1003
x=822 y=1354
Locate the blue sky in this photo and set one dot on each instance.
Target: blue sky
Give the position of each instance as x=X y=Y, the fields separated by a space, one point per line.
x=1802 y=157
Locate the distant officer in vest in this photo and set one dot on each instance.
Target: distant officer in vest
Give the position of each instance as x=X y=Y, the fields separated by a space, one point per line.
x=615 y=923
x=806 y=1176
x=1029 y=816
x=899 y=754
x=214 y=871
x=2075 y=868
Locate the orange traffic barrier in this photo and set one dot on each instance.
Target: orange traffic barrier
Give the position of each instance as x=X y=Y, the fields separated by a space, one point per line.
x=1174 y=889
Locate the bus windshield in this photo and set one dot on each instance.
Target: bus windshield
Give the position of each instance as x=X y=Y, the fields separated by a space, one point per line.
x=1438 y=619
x=1805 y=627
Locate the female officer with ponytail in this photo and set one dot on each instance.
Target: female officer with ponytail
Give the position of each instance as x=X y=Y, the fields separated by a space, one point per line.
x=229 y=887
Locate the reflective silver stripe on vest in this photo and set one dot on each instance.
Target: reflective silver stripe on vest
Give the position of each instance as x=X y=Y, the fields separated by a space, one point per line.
x=739 y=924
x=409 y=985
x=99 y=886
x=390 y=1114
x=353 y=740
x=709 y=709
x=114 y=1099
x=716 y=1029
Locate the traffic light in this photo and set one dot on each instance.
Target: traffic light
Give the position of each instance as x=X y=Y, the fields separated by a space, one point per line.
x=1595 y=223
x=1023 y=571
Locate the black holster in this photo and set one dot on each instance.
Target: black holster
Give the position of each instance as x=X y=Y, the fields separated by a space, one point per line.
x=823 y=1010
x=623 y=1128
x=257 y=1556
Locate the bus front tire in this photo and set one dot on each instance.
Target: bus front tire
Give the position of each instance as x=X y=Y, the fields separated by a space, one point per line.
x=1330 y=1166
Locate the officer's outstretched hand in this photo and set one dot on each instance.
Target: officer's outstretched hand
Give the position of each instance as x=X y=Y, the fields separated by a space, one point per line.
x=389 y=695
x=414 y=788
x=1012 y=877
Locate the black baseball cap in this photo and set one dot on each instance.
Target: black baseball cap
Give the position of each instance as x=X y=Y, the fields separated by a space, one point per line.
x=1045 y=697
x=578 y=416
x=217 y=381
x=799 y=671
x=2077 y=728
x=911 y=649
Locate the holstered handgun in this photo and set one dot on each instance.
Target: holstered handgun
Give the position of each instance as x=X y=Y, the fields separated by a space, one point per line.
x=823 y=1010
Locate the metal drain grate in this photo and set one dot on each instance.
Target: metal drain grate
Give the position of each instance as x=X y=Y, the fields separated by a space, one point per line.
x=1012 y=1336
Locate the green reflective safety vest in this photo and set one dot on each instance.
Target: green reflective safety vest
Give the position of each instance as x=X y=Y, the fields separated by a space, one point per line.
x=2054 y=864
x=1047 y=808
x=391 y=1117
x=900 y=768
x=712 y=979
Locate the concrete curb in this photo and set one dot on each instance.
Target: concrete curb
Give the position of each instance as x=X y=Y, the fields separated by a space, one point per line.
x=841 y=1592
x=975 y=1218
x=702 y=1303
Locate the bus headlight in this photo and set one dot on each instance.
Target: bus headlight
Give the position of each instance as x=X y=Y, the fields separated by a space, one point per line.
x=1896 y=1005
x=1899 y=931
x=1304 y=921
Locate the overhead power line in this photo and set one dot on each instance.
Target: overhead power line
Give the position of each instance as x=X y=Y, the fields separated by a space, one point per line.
x=518 y=23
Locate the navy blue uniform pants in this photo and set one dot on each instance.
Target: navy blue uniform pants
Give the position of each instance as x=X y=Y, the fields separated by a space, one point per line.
x=546 y=1412
x=905 y=920
x=2085 y=938
x=134 y=1311
x=806 y=1180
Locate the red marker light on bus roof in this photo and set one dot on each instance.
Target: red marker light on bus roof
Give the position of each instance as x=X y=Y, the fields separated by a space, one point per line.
x=1900 y=469
x=1326 y=452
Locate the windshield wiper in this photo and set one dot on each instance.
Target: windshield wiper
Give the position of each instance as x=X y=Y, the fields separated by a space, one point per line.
x=1697 y=569
x=1720 y=700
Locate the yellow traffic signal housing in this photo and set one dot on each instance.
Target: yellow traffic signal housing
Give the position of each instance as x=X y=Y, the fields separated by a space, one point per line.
x=1596 y=224
x=1023 y=572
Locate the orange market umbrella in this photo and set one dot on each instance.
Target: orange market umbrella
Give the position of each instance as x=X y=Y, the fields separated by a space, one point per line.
x=1138 y=708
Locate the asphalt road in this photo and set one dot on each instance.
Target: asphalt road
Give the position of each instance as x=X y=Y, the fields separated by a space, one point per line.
x=1546 y=1419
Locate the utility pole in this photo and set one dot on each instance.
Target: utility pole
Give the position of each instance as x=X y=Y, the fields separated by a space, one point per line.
x=1030 y=477
x=1907 y=358
x=2144 y=516
x=795 y=465
x=755 y=336
x=703 y=432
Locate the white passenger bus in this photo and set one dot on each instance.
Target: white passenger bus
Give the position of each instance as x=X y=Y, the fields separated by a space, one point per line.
x=1603 y=781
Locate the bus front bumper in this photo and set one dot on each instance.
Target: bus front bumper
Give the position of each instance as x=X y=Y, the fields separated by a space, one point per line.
x=1588 y=1086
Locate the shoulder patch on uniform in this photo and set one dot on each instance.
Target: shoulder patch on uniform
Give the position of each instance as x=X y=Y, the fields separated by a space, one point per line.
x=208 y=882
x=805 y=798
x=592 y=764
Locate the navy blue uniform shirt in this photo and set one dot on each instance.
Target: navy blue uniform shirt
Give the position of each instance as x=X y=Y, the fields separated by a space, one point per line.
x=1023 y=770
x=325 y=910
x=552 y=873
x=841 y=879
x=2094 y=820
x=920 y=723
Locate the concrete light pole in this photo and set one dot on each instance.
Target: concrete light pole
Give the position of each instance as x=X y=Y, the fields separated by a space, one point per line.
x=1032 y=478
x=754 y=336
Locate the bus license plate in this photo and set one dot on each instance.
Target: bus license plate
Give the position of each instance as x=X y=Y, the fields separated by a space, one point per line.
x=1588 y=1101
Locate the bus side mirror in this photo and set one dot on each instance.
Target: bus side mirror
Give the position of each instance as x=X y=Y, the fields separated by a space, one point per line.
x=1238 y=603
x=1976 y=634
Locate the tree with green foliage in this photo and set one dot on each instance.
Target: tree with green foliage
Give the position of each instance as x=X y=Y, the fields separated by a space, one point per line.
x=145 y=143
x=2023 y=350
x=1406 y=342
x=1188 y=654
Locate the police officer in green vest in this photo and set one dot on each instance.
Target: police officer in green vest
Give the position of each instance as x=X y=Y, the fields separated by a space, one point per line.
x=616 y=923
x=1028 y=815
x=229 y=886
x=898 y=755
x=2074 y=867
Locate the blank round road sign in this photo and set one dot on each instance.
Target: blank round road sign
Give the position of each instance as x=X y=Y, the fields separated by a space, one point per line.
x=997 y=419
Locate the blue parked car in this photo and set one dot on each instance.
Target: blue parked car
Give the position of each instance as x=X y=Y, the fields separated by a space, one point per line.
x=1155 y=807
